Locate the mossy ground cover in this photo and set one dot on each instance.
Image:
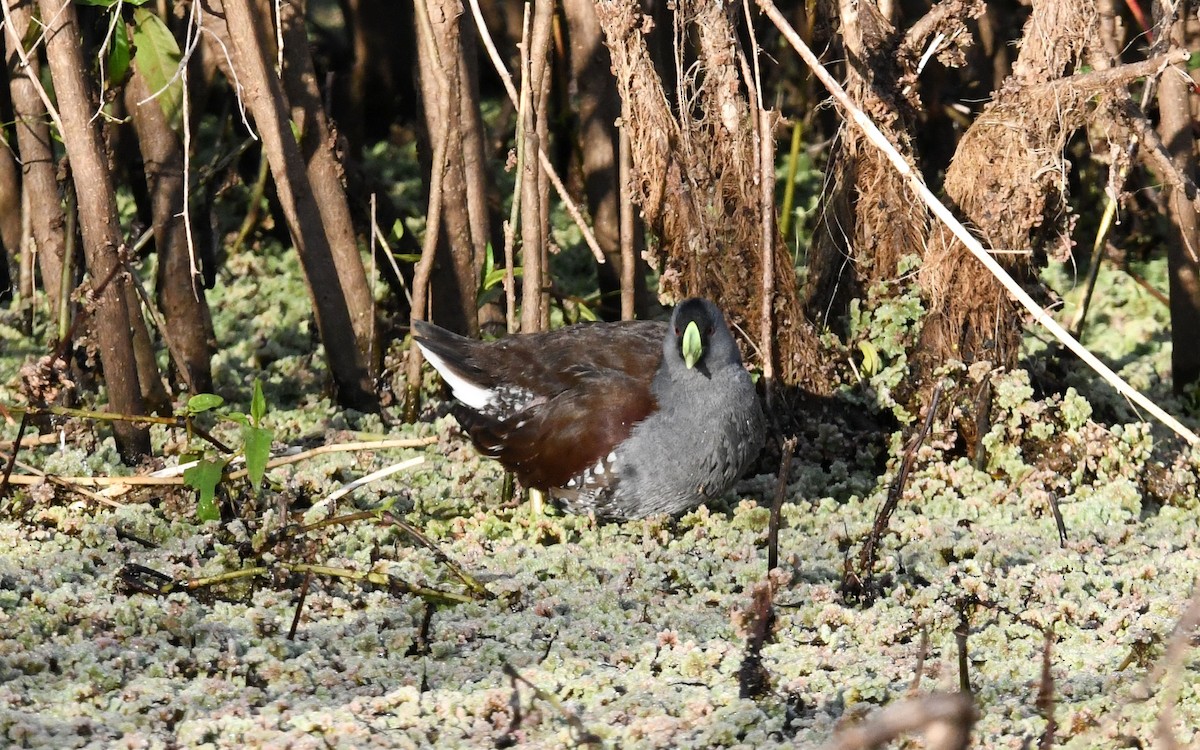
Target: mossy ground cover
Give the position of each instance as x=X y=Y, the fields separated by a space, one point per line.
x=636 y=629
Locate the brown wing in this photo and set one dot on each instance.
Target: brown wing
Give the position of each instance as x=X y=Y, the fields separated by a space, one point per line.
x=556 y=438
x=561 y=400
x=547 y=363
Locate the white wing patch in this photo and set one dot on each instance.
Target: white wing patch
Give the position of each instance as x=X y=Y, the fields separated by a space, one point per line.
x=473 y=395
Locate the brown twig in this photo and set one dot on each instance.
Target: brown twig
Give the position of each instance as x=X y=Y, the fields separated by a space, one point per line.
x=1152 y=290
x=753 y=678
x=914 y=38
x=788 y=451
x=1154 y=154
x=1171 y=662
x=12 y=460
x=864 y=585
x=48 y=438
x=580 y=734
x=36 y=476
x=291 y=636
x=946 y=719
x=534 y=74
x=174 y=478
x=547 y=166
x=1045 y=698
x=627 y=230
x=1059 y=523
x=433 y=221
x=766 y=321
x=163 y=329
x=28 y=479
x=442 y=557
x=514 y=213
x=765 y=133
x=420 y=644
x=961 y=631
x=919 y=672
x=389 y=518
x=134 y=575
x=1118 y=75
x=1170 y=665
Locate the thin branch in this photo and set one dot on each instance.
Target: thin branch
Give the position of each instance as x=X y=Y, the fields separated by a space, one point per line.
x=785 y=468
x=919 y=672
x=1045 y=698
x=628 y=255
x=863 y=582
x=386 y=471
x=163 y=329
x=514 y=216
x=35 y=479
x=766 y=322
x=547 y=165
x=1118 y=75
x=173 y=476
x=534 y=62
x=433 y=221
x=580 y=734
x=185 y=122
x=291 y=458
x=103 y=53
x=18 y=46
x=118 y=417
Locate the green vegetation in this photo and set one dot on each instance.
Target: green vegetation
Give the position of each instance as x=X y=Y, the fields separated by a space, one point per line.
x=207 y=472
x=633 y=628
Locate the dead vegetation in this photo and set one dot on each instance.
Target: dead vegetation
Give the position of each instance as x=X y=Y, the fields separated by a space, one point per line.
x=697 y=171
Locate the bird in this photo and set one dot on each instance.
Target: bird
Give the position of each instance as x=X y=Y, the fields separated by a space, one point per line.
x=622 y=420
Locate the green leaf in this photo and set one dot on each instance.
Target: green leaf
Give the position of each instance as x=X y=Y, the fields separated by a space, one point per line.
x=118 y=55
x=257 y=447
x=204 y=477
x=496 y=277
x=258 y=404
x=203 y=402
x=397 y=229
x=237 y=416
x=489 y=261
x=157 y=57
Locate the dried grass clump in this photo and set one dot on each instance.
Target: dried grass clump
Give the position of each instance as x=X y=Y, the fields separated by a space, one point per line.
x=1008 y=181
x=697 y=174
x=869 y=219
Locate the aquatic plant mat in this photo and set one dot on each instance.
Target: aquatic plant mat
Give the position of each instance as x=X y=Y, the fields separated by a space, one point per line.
x=626 y=635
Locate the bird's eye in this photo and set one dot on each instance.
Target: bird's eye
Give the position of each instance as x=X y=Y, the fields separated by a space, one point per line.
x=710 y=330
x=678 y=332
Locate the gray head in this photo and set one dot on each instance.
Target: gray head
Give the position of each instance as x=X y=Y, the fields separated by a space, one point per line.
x=698 y=339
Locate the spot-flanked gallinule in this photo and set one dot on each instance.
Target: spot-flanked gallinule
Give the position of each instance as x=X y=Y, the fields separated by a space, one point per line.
x=620 y=419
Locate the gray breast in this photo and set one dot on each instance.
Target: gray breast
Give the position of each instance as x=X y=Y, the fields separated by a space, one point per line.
x=691 y=450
